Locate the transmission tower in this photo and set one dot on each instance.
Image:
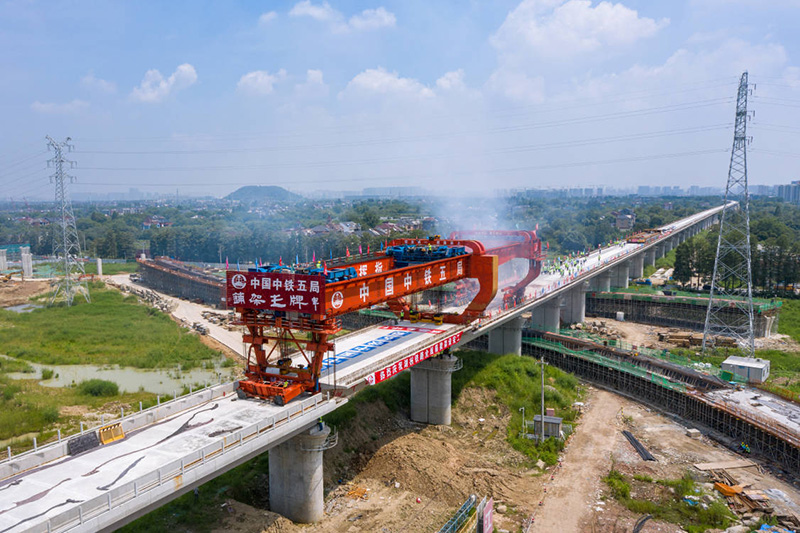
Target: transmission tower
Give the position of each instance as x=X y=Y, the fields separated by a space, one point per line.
x=67 y=248
x=732 y=278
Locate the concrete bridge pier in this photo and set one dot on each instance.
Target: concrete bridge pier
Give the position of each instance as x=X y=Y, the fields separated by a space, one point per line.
x=659 y=251
x=295 y=476
x=575 y=310
x=650 y=257
x=547 y=317
x=3 y=260
x=619 y=276
x=636 y=266
x=601 y=282
x=431 y=388
x=507 y=337
x=667 y=245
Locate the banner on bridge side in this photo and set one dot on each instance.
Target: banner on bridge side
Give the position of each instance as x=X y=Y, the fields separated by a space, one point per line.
x=411 y=360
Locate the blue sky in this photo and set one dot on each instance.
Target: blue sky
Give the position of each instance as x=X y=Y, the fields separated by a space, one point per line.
x=454 y=96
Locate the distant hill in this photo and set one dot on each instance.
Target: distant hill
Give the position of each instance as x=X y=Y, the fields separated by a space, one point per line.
x=266 y=193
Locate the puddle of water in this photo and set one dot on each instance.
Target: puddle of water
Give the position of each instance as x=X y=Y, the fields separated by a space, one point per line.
x=24 y=308
x=129 y=379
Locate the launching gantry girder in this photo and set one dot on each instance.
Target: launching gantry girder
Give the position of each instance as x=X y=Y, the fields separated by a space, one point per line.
x=299 y=305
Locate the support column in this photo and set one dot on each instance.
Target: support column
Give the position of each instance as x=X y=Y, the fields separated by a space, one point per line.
x=619 y=274
x=295 y=476
x=431 y=389
x=507 y=337
x=650 y=257
x=576 y=304
x=27 y=265
x=637 y=266
x=3 y=260
x=99 y=267
x=547 y=317
x=659 y=251
x=667 y=245
x=602 y=281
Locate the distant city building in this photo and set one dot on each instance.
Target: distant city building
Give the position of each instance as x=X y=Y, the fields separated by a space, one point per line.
x=762 y=190
x=790 y=193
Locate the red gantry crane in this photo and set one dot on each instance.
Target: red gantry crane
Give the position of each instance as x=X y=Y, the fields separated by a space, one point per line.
x=298 y=306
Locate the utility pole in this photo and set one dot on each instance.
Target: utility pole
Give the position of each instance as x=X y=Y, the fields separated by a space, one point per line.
x=66 y=243
x=541 y=435
x=730 y=302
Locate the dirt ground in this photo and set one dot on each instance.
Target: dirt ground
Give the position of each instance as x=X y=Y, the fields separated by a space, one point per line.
x=647 y=335
x=393 y=462
x=19 y=292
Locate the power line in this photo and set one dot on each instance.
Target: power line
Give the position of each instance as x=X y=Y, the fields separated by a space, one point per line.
x=513 y=149
x=685 y=106
x=566 y=104
x=406 y=177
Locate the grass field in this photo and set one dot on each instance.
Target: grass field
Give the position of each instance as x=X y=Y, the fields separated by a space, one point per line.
x=29 y=409
x=109 y=269
x=789 y=321
x=113 y=329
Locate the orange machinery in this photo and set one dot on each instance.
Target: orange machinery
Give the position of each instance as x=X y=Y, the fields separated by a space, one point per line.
x=308 y=300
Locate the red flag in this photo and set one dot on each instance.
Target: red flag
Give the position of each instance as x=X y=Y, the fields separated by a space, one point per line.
x=280 y=261
x=226 y=262
x=313 y=257
x=368 y=249
x=347 y=251
x=359 y=250
x=325 y=268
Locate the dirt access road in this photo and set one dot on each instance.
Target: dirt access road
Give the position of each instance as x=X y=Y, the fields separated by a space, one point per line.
x=571 y=492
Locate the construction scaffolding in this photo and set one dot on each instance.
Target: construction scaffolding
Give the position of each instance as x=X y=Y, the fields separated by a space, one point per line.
x=177 y=279
x=763 y=435
x=683 y=312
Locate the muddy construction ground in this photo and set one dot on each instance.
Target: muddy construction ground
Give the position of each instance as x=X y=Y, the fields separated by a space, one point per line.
x=15 y=292
x=391 y=475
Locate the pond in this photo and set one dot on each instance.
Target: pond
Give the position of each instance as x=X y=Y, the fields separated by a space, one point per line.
x=161 y=381
x=24 y=308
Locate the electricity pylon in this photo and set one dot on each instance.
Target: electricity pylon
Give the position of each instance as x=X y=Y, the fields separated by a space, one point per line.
x=67 y=248
x=730 y=303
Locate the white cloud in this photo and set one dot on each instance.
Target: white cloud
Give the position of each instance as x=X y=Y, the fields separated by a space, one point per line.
x=260 y=82
x=517 y=85
x=725 y=60
x=555 y=29
x=155 y=88
x=267 y=17
x=373 y=19
x=59 y=109
x=313 y=87
x=381 y=81
x=323 y=13
x=367 y=20
x=92 y=82
x=451 y=81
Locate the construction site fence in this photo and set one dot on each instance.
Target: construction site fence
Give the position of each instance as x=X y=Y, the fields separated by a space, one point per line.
x=628 y=368
x=664 y=355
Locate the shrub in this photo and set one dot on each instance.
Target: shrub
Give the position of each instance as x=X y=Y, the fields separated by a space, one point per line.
x=640 y=477
x=50 y=414
x=47 y=373
x=98 y=387
x=616 y=482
